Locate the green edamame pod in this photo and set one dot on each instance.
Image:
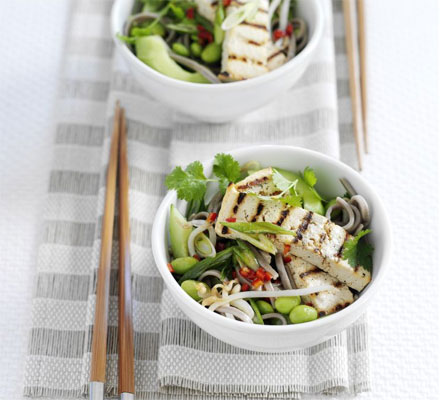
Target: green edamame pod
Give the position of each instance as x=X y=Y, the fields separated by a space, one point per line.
x=180 y=49
x=264 y=307
x=302 y=314
x=212 y=53
x=257 y=318
x=196 y=49
x=286 y=304
x=183 y=264
x=192 y=287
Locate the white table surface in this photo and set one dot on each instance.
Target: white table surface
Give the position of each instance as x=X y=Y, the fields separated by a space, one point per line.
x=402 y=164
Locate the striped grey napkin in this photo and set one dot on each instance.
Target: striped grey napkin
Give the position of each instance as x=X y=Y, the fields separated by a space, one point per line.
x=174 y=358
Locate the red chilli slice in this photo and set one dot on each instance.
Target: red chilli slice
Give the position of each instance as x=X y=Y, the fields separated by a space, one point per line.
x=211 y=217
x=245 y=287
x=278 y=34
x=256 y=283
x=190 y=13
x=232 y=219
x=170 y=267
x=286 y=249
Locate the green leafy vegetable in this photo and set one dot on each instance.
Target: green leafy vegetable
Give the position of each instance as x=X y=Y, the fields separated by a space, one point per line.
x=220 y=260
x=359 y=252
x=310 y=177
x=226 y=169
x=189 y=184
x=257 y=227
x=292 y=200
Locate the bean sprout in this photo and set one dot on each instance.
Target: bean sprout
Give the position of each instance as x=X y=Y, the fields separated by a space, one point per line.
x=218 y=302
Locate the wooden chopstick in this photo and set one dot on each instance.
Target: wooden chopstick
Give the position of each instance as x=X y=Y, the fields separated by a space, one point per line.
x=99 y=342
x=363 y=67
x=125 y=328
x=351 y=68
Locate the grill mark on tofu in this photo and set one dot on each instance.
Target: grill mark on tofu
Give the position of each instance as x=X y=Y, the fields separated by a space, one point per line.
x=244 y=59
x=235 y=209
x=255 y=182
x=241 y=197
x=260 y=208
x=254 y=43
x=341 y=249
x=258 y=26
x=275 y=54
x=283 y=216
x=304 y=225
x=310 y=272
x=338 y=284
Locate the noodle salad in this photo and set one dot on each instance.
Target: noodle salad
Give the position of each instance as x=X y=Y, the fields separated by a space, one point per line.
x=263 y=246
x=206 y=41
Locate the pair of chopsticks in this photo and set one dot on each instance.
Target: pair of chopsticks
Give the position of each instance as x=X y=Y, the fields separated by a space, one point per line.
x=118 y=160
x=349 y=43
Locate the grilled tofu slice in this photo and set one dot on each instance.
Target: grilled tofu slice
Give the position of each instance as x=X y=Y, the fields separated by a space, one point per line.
x=318 y=240
x=276 y=56
x=206 y=8
x=307 y=275
x=245 y=49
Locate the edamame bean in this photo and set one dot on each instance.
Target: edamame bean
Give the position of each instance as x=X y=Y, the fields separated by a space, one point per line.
x=190 y=287
x=302 y=314
x=183 y=264
x=264 y=307
x=196 y=49
x=212 y=53
x=180 y=49
x=286 y=304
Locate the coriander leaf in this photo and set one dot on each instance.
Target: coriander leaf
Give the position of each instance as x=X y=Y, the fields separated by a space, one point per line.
x=310 y=177
x=196 y=169
x=189 y=184
x=292 y=200
x=358 y=252
x=365 y=255
x=226 y=169
x=258 y=227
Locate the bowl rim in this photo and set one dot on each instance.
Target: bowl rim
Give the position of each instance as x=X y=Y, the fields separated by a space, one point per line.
x=310 y=47
x=171 y=197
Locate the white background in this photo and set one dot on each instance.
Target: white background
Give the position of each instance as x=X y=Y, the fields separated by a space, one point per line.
x=402 y=164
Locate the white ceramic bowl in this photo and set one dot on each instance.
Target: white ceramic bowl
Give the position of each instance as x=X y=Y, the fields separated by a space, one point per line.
x=220 y=102
x=283 y=338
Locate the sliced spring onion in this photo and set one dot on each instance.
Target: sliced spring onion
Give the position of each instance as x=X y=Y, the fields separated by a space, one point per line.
x=275 y=315
x=236 y=17
x=204 y=246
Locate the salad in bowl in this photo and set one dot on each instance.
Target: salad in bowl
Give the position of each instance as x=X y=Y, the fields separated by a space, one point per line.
x=262 y=246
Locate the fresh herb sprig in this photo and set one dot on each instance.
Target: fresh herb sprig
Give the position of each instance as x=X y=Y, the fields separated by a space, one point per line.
x=190 y=183
x=358 y=251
